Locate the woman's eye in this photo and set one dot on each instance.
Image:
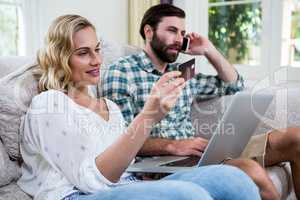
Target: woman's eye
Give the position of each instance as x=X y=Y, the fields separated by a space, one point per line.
x=82 y=53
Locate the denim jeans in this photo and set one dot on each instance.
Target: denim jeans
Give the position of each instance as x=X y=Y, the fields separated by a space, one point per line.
x=218 y=182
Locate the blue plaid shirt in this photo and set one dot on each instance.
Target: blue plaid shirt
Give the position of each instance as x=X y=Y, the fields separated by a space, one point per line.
x=128 y=83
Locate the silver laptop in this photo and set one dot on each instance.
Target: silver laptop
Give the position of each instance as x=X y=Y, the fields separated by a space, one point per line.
x=230 y=138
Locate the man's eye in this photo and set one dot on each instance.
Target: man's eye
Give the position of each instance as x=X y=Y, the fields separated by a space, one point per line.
x=173 y=31
x=98 y=50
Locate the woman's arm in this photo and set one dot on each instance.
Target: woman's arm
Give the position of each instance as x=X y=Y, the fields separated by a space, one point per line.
x=115 y=159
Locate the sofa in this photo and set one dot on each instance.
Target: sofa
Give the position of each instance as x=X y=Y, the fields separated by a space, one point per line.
x=18 y=86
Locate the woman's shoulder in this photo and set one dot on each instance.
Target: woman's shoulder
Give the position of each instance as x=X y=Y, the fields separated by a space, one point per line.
x=48 y=98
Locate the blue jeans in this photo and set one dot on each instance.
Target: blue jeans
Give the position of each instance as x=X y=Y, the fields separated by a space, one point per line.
x=218 y=182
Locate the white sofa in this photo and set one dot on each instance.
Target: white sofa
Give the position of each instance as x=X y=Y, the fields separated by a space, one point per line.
x=18 y=87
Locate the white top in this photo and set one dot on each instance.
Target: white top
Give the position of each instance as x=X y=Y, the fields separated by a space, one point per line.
x=59 y=144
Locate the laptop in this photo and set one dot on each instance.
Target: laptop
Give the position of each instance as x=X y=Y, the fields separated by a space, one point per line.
x=229 y=139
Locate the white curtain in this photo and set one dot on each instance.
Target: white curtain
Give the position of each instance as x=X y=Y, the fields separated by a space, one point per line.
x=136 y=10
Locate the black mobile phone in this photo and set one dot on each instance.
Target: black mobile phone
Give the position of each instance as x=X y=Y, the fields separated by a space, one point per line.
x=187 y=69
x=185 y=44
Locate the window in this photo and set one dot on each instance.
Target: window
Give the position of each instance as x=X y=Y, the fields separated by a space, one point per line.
x=11 y=28
x=295 y=33
x=268 y=32
x=235 y=29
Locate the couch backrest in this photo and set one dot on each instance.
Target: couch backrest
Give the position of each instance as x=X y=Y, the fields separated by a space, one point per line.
x=9 y=64
x=283 y=112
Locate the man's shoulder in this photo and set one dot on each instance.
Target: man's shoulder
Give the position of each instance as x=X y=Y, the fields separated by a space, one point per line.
x=127 y=62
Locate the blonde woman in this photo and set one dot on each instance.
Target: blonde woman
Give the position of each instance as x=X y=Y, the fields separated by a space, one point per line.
x=75 y=146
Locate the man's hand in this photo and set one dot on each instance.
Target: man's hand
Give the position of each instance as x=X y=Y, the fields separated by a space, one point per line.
x=199 y=45
x=188 y=147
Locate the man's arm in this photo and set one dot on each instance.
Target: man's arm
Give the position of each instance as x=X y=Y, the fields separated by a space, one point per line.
x=225 y=70
x=160 y=146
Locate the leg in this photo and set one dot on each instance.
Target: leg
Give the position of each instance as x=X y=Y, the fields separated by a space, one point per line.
x=222 y=182
x=152 y=190
x=284 y=146
x=259 y=176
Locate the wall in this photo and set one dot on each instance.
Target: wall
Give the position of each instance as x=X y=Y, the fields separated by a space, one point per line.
x=109 y=17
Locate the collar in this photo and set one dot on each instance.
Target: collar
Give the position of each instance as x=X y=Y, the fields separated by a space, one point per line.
x=146 y=64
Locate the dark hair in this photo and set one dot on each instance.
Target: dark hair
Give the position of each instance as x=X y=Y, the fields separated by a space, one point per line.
x=154 y=15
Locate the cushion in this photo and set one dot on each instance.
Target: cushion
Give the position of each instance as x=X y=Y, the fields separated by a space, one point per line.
x=279 y=174
x=16 y=92
x=9 y=64
x=9 y=170
x=13 y=192
x=283 y=111
x=111 y=51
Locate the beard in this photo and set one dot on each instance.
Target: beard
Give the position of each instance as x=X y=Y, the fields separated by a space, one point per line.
x=161 y=49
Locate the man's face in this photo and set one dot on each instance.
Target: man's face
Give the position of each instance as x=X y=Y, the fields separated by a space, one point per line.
x=167 y=38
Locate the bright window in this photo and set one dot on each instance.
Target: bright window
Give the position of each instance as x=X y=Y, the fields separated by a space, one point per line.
x=235 y=29
x=10 y=28
x=295 y=33
x=260 y=37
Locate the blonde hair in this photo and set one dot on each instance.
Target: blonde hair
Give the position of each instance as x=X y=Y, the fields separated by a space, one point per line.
x=54 y=71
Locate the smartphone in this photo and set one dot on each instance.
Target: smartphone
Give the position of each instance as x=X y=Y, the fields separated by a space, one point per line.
x=187 y=69
x=185 y=44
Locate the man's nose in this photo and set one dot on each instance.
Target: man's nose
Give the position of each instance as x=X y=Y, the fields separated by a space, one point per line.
x=179 y=38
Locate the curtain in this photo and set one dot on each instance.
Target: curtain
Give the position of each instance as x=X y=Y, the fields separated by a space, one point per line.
x=136 y=10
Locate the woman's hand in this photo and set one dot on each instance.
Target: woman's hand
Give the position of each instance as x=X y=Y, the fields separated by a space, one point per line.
x=163 y=96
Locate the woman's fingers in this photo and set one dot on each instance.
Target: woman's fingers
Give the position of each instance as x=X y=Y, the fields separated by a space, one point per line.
x=164 y=94
x=173 y=84
x=167 y=77
x=169 y=99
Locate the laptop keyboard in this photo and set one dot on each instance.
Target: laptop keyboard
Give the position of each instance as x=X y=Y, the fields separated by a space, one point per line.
x=187 y=162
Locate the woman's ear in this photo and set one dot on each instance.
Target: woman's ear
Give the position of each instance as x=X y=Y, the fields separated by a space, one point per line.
x=148 y=32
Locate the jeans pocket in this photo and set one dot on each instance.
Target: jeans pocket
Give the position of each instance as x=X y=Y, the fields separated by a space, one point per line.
x=73 y=196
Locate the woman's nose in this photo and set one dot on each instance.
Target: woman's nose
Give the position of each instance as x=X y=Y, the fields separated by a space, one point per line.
x=97 y=59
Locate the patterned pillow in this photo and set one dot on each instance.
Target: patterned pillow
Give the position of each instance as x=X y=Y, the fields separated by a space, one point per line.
x=13 y=192
x=9 y=170
x=16 y=92
x=9 y=64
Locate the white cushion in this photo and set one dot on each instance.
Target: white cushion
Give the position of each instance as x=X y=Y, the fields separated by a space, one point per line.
x=9 y=64
x=13 y=192
x=9 y=170
x=16 y=92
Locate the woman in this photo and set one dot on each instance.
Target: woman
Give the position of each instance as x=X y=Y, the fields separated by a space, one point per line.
x=76 y=146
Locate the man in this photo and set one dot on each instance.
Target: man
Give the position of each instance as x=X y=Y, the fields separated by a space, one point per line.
x=129 y=81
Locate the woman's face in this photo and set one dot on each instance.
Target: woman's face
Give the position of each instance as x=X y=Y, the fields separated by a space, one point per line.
x=85 y=60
